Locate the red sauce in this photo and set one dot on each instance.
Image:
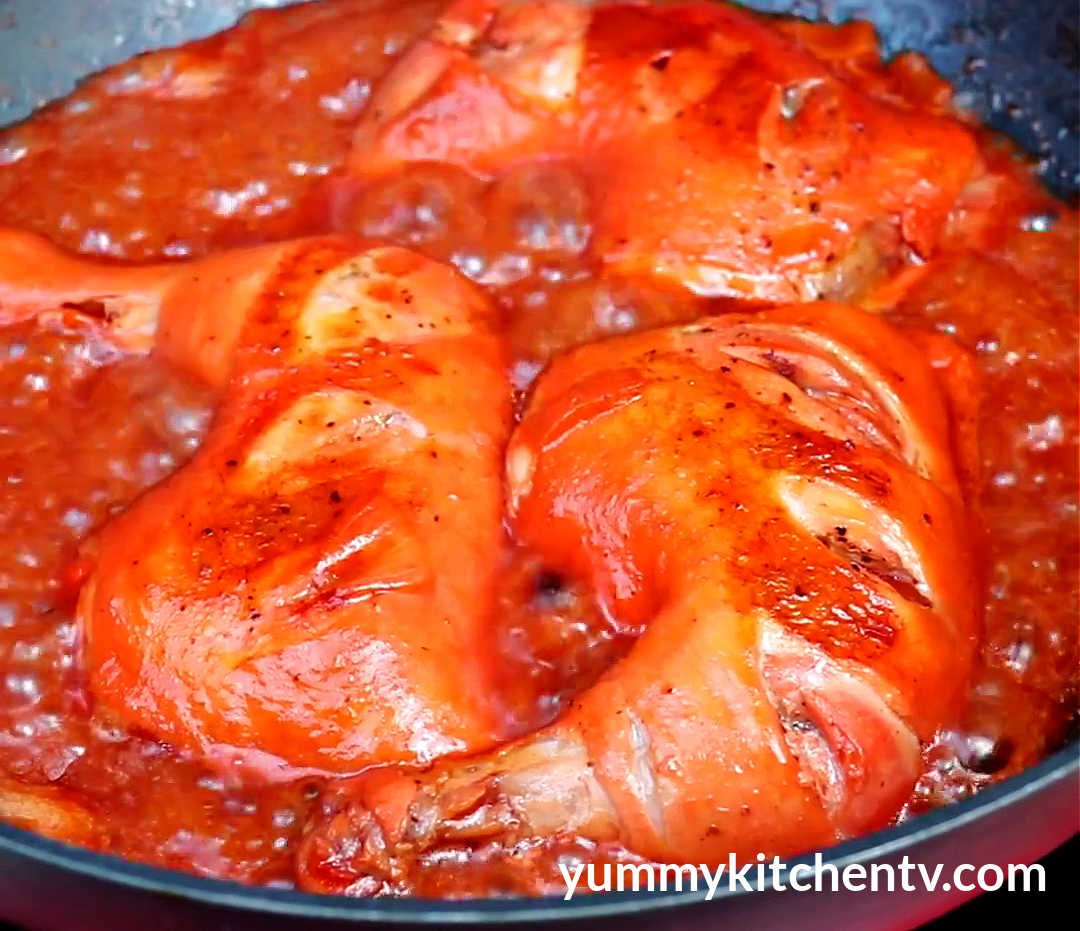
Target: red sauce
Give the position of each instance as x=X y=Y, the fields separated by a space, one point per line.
x=232 y=140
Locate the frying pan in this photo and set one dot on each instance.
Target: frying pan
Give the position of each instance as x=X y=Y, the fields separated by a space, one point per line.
x=1015 y=62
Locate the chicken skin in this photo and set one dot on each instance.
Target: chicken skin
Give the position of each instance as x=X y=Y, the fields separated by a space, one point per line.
x=469 y=439
x=312 y=589
x=774 y=498
x=722 y=153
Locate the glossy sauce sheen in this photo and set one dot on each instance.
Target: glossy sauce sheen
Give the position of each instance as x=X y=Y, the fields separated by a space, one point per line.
x=239 y=140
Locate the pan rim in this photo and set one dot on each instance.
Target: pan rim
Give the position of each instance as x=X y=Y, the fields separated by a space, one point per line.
x=121 y=873
x=1058 y=767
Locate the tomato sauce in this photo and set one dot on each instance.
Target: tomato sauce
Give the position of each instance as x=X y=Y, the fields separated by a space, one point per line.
x=237 y=140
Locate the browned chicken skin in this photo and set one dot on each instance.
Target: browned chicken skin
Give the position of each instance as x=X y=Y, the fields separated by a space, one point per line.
x=464 y=575
x=774 y=499
x=721 y=153
x=283 y=596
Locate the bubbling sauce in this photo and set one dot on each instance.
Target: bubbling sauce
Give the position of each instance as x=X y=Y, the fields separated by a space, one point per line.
x=237 y=140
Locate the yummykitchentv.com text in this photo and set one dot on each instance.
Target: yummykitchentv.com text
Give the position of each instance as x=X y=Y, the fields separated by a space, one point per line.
x=816 y=876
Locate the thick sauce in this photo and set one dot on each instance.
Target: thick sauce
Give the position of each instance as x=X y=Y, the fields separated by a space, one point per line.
x=236 y=140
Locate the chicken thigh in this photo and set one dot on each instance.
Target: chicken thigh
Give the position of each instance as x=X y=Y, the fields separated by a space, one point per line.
x=774 y=498
x=313 y=589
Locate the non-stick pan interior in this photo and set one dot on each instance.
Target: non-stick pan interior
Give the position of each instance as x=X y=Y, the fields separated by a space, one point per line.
x=1015 y=62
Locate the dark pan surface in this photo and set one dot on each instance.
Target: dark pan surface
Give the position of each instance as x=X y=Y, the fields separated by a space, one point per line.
x=1015 y=62
x=46 y=884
